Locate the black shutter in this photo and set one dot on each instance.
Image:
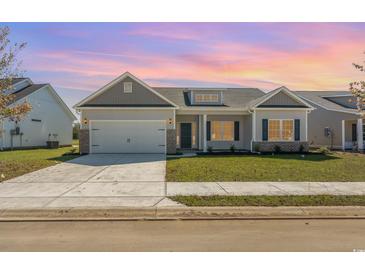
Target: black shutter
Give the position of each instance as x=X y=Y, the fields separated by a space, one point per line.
x=236 y=130
x=297 y=130
x=208 y=130
x=354 y=132
x=265 y=129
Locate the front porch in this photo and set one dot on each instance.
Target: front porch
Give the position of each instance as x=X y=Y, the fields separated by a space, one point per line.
x=353 y=134
x=203 y=132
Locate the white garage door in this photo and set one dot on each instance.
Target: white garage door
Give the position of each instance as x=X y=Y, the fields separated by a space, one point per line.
x=128 y=136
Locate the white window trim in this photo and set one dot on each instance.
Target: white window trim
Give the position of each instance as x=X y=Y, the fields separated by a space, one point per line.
x=128 y=87
x=210 y=95
x=281 y=130
x=221 y=133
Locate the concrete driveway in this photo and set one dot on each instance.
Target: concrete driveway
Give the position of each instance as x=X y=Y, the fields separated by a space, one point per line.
x=99 y=180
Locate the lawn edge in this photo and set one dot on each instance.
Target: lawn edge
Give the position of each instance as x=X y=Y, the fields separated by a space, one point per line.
x=182 y=213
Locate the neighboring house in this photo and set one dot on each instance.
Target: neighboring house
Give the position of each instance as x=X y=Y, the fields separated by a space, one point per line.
x=49 y=119
x=335 y=122
x=128 y=116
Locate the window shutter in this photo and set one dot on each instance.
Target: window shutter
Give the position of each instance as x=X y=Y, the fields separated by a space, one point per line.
x=265 y=129
x=297 y=130
x=236 y=130
x=208 y=130
x=354 y=133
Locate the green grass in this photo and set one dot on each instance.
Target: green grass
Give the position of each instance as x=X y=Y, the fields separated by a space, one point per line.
x=287 y=167
x=75 y=142
x=315 y=200
x=19 y=162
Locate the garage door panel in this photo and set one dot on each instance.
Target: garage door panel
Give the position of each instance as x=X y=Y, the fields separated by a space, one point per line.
x=128 y=137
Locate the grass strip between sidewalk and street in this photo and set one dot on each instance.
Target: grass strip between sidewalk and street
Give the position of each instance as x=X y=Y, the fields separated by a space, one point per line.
x=272 y=201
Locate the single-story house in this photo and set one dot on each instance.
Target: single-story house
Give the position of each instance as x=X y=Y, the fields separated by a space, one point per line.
x=49 y=120
x=129 y=116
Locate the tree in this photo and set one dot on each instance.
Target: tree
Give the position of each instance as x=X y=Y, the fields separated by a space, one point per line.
x=9 y=69
x=357 y=89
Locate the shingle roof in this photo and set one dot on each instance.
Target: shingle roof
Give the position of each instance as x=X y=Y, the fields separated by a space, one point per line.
x=17 y=80
x=317 y=98
x=233 y=97
x=27 y=90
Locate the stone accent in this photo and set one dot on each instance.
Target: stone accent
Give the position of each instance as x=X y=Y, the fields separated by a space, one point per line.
x=171 y=141
x=84 y=141
x=284 y=146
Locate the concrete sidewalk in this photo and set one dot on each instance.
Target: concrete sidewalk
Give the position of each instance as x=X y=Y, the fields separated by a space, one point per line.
x=265 y=188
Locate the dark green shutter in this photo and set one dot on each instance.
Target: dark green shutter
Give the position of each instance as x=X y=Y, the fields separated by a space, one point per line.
x=265 y=129
x=208 y=130
x=236 y=130
x=297 y=130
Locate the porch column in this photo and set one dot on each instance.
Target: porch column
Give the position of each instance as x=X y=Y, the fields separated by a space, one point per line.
x=360 y=141
x=205 y=133
x=200 y=132
x=343 y=135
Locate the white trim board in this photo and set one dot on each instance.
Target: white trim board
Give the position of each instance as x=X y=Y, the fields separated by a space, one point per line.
x=117 y=80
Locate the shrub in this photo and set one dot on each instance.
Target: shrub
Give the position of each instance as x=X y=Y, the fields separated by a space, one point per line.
x=277 y=149
x=257 y=147
x=210 y=149
x=232 y=148
x=324 y=150
x=301 y=148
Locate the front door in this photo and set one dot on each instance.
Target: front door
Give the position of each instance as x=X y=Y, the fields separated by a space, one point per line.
x=185 y=133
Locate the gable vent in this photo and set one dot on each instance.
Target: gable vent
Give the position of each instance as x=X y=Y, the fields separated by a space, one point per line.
x=127 y=87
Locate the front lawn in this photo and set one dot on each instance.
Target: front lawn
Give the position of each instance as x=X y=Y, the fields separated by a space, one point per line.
x=18 y=162
x=336 y=167
x=309 y=200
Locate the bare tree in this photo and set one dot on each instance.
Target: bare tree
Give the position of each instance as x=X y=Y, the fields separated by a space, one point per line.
x=9 y=69
x=357 y=88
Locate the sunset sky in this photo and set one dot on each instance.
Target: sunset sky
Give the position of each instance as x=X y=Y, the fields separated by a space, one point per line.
x=79 y=58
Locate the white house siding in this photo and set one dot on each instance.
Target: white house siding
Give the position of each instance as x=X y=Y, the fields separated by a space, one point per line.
x=128 y=114
x=281 y=114
x=54 y=120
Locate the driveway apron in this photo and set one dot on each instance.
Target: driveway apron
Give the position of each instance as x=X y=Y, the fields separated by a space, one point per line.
x=91 y=180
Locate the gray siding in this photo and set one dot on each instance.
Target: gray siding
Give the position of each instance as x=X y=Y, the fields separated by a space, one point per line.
x=128 y=114
x=281 y=114
x=115 y=96
x=320 y=118
x=226 y=144
x=281 y=99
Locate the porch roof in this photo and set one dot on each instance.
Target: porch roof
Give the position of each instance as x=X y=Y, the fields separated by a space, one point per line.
x=318 y=98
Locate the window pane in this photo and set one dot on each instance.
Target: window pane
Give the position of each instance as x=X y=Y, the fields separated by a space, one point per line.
x=216 y=130
x=228 y=130
x=206 y=98
x=274 y=130
x=288 y=130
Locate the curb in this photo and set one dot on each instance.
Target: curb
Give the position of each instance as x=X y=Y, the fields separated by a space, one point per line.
x=182 y=213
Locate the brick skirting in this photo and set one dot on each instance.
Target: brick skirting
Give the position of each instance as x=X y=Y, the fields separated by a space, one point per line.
x=284 y=146
x=84 y=141
x=171 y=141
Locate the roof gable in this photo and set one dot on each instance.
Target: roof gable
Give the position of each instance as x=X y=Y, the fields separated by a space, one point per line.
x=280 y=98
x=113 y=95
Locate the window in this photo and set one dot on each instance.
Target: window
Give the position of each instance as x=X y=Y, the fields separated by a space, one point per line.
x=281 y=130
x=222 y=130
x=206 y=98
x=127 y=87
